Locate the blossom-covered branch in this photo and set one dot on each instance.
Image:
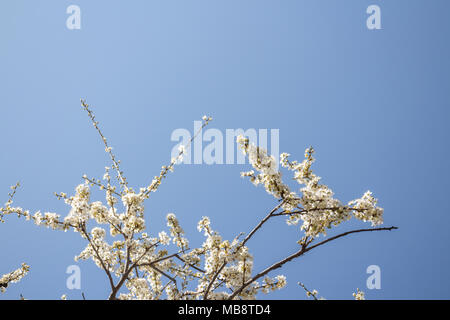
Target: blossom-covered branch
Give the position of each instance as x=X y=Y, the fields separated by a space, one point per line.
x=14 y=276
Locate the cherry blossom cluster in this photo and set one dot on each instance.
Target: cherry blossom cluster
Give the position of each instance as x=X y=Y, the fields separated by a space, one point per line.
x=315 y=205
x=14 y=276
x=359 y=295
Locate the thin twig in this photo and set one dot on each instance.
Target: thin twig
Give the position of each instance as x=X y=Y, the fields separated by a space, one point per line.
x=308 y=293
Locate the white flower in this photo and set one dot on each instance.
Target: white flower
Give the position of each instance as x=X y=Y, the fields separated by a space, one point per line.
x=359 y=295
x=164 y=238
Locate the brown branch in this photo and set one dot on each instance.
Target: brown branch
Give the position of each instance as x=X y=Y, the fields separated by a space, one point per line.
x=165 y=274
x=210 y=284
x=149 y=264
x=189 y=264
x=303 y=211
x=299 y=253
x=108 y=273
x=128 y=269
x=246 y=239
x=260 y=224
x=350 y=232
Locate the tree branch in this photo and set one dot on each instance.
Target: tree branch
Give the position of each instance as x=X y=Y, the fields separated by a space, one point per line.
x=246 y=239
x=299 y=253
x=108 y=273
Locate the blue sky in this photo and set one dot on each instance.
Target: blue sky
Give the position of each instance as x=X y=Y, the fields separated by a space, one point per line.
x=373 y=103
